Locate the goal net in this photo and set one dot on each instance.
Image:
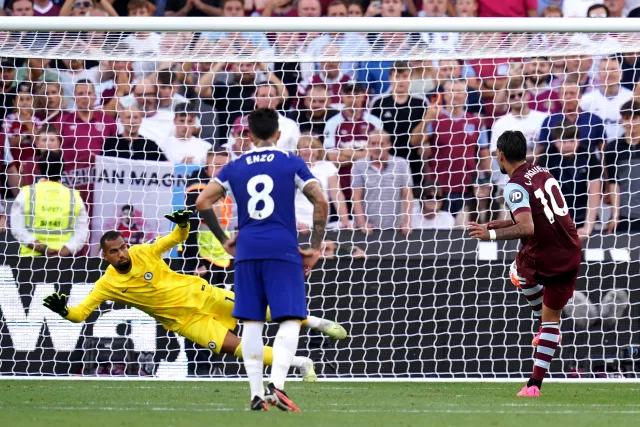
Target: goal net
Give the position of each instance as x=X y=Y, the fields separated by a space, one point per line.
x=399 y=127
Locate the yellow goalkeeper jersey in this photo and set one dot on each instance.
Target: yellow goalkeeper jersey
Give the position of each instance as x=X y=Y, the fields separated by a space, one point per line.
x=151 y=286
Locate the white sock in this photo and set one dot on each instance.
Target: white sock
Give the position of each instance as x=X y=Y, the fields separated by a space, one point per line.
x=314 y=322
x=284 y=350
x=298 y=362
x=253 y=354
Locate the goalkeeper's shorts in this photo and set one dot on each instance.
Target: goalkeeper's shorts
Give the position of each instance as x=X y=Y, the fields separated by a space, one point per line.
x=210 y=326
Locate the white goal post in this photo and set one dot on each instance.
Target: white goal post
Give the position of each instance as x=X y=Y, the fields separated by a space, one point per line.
x=135 y=107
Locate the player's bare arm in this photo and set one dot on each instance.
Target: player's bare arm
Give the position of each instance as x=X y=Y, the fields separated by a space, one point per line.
x=210 y=195
x=316 y=196
x=494 y=225
x=523 y=227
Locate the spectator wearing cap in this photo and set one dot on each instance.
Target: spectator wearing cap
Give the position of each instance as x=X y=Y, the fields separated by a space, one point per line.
x=537 y=79
x=241 y=41
x=315 y=112
x=182 y=146
x=428 y=214
x=608 y=97
x=622 y=163
x=458 y=150
x=590 y=127
x=239 y=141
x=330 y=75
x=507 y=8
x=346 y=134
x=86 y=7
x=21 y=124
x=267 y=96
x=83 y=134
x=50 y=103
x=520 y=117
x=129 y=144
x=402 y=118
x=45 y=8
x=382 y=185
x=579 y=173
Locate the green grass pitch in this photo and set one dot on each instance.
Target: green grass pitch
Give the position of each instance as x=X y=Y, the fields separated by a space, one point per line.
x=222 y=404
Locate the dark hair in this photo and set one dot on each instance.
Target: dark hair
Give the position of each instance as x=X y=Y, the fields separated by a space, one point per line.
x=400 y=67
x=598 y=6
x=358 y=3
x=513 y=145
x=48 y=128
x=565 y=132
x=126 y=208
x=166 y=78
x=51 y=165
x=84 y=82
x=630 y=110
x=109 y=236
x=263 y=123
x=185 y=109
x=336 y=3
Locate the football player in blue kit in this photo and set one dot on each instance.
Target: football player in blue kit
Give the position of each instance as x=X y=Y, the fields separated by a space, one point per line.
x=270 y=268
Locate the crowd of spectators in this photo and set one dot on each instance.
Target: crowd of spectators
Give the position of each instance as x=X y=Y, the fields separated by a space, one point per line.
x=395 y=144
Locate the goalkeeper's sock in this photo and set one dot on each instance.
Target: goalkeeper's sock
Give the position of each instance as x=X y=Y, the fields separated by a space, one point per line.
x=533 y=294
x=267 y=358
x=253 y=353
x=284 y=350
x=549 y=337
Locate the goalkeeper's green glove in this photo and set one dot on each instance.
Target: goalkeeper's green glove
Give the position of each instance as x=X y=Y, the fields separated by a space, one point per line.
x=180 y=217
x=57 y=303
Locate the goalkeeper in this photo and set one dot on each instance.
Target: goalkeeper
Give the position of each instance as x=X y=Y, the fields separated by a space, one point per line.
x=185 y=304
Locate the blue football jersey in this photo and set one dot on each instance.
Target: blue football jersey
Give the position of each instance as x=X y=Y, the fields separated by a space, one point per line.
x=264 y=182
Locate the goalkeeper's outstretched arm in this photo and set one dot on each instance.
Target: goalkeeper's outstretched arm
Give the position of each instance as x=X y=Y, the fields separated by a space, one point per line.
x=178 y=235
x=58 y=304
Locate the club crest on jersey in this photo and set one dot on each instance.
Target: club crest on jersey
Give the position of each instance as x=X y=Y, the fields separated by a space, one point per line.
x=212 y=345
x=515 y=196
x=148 y=275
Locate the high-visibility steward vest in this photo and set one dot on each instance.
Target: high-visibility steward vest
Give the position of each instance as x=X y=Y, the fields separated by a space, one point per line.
x=50 y=213
x=209 y=247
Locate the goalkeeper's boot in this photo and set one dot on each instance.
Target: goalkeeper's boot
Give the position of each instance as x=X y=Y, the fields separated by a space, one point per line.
x=532 y=391
x=308 y=372
x=279 y=398
x=257 y=404
x=333 y=329
x=536 y=339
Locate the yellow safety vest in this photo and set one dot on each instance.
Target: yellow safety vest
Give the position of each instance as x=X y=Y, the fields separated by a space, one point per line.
x=50 y=213
x=209 y=247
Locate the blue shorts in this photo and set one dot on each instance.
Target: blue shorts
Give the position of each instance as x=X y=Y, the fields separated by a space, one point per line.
x=269 y=282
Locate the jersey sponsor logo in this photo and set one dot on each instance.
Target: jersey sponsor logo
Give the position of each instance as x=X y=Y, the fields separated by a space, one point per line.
x=212 y=345
x=387 y=115
x=148 y=275
x=516 y=196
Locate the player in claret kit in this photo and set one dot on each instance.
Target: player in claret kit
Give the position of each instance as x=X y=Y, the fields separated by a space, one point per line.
x=269 y=265
x=549 y=258
x=185 y=304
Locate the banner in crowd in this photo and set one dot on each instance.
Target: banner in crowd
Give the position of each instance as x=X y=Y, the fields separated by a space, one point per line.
x=132 y=196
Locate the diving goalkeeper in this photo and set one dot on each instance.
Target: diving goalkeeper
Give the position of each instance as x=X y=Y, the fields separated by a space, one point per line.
x=185 y=304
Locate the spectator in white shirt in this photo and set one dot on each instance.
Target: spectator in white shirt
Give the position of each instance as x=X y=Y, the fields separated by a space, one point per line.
x=267 y=96
x=182 y=146
x=310 y=149
x=429 y=214
x=606 y=100
x=520 y=117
